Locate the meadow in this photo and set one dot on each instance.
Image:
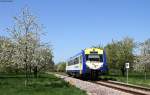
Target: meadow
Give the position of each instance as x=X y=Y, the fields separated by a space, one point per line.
x=45 y=84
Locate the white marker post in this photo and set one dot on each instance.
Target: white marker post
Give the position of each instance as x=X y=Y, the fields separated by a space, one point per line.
x=127 y=67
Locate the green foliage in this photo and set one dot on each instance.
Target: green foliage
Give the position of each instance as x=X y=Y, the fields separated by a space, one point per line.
x=120 y=52
x=61 y=67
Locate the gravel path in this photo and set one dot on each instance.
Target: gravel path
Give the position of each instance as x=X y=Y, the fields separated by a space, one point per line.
x=91 y=88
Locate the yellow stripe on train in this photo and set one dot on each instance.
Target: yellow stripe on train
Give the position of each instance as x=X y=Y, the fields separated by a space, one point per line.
x=98 y=50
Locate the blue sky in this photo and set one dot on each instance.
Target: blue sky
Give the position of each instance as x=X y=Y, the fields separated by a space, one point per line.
x=72 y=25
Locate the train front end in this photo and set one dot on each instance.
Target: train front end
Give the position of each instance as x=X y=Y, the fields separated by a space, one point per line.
x=95 y=60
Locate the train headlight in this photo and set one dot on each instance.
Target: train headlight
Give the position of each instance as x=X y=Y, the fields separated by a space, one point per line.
x=94 y=65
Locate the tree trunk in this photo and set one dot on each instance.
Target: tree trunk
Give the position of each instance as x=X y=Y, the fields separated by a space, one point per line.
x=123 y=71
x=35 y=71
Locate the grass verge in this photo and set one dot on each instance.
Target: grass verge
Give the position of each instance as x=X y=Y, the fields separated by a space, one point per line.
x=45 y=84
x=132 y=79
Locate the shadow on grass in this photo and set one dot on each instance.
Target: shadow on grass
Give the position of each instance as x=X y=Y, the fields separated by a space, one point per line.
x=5 y=76
x=51 y=84
x=34 y=83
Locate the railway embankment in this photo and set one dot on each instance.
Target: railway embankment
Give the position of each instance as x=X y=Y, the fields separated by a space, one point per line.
x=91 y=88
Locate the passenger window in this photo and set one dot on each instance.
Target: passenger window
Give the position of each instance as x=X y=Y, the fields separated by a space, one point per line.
x=78 y=60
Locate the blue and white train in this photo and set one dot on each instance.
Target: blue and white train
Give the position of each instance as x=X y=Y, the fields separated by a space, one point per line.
x=90 y=62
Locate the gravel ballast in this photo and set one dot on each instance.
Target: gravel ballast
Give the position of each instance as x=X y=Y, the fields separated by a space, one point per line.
x=91 y=88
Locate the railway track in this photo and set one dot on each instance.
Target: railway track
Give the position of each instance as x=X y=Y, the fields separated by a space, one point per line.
x=128 y=88
x=136 y=90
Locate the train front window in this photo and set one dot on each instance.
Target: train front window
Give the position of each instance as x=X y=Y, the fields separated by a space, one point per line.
x=101 y=58
x=94 y=57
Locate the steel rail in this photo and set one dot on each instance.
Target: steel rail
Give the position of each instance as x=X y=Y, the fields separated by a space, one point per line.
x=125 y=88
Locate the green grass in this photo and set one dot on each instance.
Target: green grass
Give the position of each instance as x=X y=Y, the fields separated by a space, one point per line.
x=44 y=85
x=134 y=78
